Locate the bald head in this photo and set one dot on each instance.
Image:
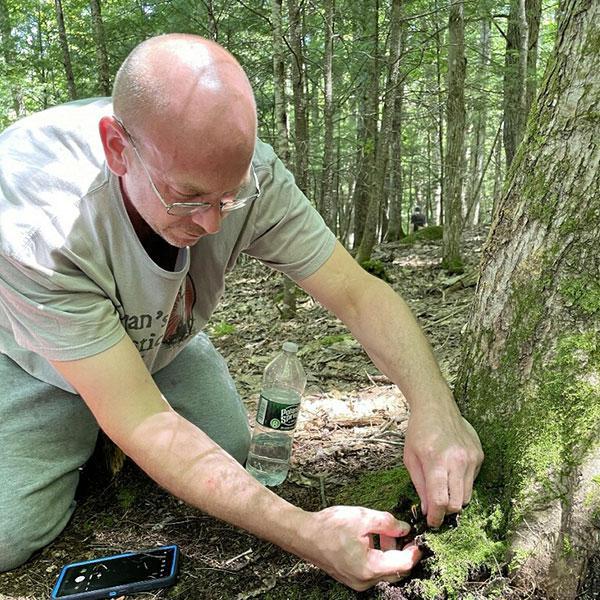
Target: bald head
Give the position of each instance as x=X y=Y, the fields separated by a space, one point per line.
x=187 y=92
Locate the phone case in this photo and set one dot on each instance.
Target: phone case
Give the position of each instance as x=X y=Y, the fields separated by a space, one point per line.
x=119 y=590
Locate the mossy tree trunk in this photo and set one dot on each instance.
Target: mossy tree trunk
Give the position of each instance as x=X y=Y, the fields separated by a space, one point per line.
x=530 y=380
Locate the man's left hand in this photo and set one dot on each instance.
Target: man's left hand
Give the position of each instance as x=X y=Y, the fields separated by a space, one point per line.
x=443 y=456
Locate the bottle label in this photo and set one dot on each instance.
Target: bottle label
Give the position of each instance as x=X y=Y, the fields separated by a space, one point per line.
x=276 y=415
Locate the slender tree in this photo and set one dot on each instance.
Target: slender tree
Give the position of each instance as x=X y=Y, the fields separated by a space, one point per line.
x=66 y=53
x=478 y=136
x=101 y=53
x=368 y=119
x=9 y=56
x=385 y=134
x=328 y=205
x=455 y=116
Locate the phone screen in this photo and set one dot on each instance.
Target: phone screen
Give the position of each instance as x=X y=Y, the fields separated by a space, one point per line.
x=116 y=570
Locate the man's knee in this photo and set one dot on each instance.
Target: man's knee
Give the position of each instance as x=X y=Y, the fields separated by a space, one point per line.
x=17 y=541
x=11 y=557
x=28 y=522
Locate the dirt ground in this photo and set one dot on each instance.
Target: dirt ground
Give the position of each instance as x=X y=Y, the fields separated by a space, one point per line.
x=352 y=422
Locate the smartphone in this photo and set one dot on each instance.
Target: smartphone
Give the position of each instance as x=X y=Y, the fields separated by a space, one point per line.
x=113 y=576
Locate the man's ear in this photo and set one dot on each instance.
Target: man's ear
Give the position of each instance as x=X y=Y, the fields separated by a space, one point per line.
x=113 y=141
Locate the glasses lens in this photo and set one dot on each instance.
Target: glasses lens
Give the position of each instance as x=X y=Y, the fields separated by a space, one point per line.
x=183 y=210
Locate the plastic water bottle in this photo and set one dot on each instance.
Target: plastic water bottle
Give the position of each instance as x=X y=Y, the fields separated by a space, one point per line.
x=271 y=445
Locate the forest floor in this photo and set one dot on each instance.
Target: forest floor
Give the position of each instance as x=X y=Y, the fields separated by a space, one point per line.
x=352 y=422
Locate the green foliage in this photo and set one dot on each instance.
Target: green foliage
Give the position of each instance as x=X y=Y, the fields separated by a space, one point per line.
x=35 y=75
x=222 y=328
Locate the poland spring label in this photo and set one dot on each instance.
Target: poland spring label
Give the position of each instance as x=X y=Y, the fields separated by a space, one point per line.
x=277 y=415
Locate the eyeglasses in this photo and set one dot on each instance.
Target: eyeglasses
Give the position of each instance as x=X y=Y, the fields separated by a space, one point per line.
x=227 y=203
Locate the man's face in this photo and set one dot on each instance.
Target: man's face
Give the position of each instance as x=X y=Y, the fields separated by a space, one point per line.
x=175 y=175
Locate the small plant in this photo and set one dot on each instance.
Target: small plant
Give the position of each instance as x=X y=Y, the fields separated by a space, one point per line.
x=222 y=328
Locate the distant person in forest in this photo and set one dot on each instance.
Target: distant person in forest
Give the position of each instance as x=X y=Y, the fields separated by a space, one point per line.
x=417 y=219
x=119 y=218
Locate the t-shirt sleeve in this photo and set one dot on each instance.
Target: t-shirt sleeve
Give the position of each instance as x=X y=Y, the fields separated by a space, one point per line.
x=289 y=234
x=53 y=309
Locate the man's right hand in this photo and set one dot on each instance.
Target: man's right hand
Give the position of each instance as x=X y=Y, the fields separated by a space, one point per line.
x=340 y=541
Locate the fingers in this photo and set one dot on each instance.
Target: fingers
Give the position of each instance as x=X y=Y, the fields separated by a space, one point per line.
x=418 y=478
x=385 y=524
x=437 y=496
x=392 y=565
x=387 y=543
x=443 y=468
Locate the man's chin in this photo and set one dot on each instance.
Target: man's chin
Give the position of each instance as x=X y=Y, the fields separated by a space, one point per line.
x=182 y=240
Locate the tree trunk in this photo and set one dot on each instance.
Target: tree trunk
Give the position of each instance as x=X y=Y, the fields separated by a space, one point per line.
x=9 y=56
x=498 y=178
x=530 y=376
x=101 y=53
x=515 y=78
x=455 y=118
x=384 y=137
x=440 y=120
x=299 y=96
x=301 y=146
x=64 y=45
x=395 y=231
x=533 y=9
x=367 y=138
x=327 y=192
x=479 y=127
x=281 y=144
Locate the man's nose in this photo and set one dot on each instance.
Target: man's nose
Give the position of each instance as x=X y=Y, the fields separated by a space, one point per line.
x=209 y=220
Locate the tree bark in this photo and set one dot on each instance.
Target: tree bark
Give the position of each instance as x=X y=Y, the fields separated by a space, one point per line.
x=328 y=211
x=530 y=375
x=299 y=96
x=9 y=56
x=395 y=231
x=533 y=9
x=101 y=53
x=369 y=116
x=282 y=146
x=479 y=128
x=455 y=118
x=64 y=45
x=384 y=137
x=440 y=120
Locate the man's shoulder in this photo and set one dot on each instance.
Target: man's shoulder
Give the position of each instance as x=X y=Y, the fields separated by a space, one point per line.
x=49 y=161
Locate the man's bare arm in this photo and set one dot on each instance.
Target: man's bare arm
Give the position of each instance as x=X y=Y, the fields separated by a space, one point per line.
x=129 y=407
x=442 y=451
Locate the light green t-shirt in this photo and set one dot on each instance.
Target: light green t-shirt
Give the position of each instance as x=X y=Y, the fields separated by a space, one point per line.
x=74 y=277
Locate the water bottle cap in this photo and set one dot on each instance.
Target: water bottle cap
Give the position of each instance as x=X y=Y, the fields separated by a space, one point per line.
x=290 y=347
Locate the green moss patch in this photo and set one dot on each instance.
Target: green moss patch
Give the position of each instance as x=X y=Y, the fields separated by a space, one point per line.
x=473 y=548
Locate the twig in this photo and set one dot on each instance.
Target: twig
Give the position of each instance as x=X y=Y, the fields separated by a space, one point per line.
x=227 y=562
x=391 y=442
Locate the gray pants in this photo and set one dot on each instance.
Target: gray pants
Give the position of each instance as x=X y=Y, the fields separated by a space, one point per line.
x=46 y=434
